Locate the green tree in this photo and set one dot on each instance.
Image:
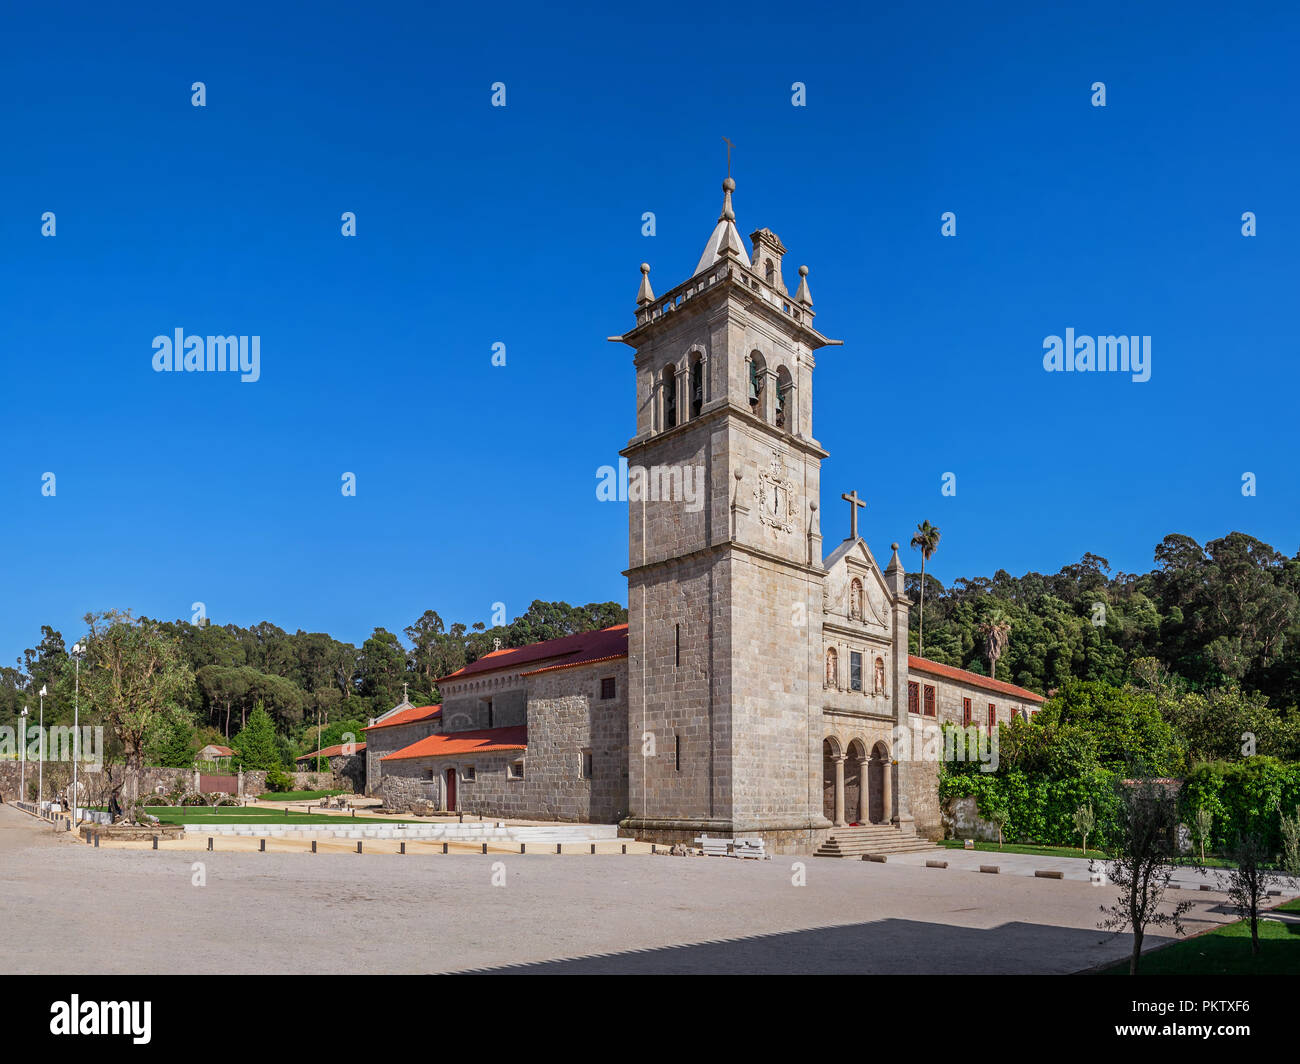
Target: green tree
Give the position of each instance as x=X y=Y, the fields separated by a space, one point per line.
x=132 y=677
x=1084 y=822
x=995 y=630
x=256 y=742
x=926 y=541
x=1141 y=865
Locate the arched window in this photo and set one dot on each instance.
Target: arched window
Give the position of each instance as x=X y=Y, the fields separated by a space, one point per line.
x=757 y=382
x=670 y=397
x=855 y=599
x=832 y=667
x=783 y=383
x=697 y=386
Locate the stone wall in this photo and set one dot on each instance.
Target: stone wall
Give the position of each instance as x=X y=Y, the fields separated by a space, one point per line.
x=383 y=740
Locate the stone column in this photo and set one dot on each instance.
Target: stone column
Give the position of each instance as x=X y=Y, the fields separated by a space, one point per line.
x=839 y=791
x=864 y=790
x=888 y=790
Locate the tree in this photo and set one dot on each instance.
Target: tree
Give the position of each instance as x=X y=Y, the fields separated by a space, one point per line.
x=926 y=541
x=133 y=675
x=1141 y=864
x=1202 y=825
x=172 y=743
x=1084 y=822
x=996 y=633
x=1290 y=842
x=255 y=744
x=1248 y=882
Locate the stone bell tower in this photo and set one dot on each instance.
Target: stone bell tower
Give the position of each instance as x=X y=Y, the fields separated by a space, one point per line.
x=725 y=576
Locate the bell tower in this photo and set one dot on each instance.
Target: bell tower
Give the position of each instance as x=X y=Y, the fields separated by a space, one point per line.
x=725 y=576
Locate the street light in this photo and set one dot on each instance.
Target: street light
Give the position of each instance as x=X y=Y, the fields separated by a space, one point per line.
x=22 y=755
x=40 y=765
x=78 y=650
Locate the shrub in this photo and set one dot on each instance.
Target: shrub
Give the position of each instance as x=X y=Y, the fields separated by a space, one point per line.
x=278 y=781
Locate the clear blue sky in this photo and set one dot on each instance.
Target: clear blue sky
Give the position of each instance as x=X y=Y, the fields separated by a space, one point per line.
x=523 y=225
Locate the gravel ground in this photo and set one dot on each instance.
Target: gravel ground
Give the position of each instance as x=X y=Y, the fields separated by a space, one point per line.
x=69 y=908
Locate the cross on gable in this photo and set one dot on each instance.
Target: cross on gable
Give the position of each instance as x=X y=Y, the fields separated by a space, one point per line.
x=405 y=697
x=854 y=502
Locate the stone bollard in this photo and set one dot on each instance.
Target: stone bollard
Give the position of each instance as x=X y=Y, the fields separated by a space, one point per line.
x=625 y=847
x=523 y=848
x=209 y=844
x=358 y=846
x=313 y=845
x=593 y=847
x=97 y=840
x=261 y=846
x=991 y=869
x=558 y=847
x=444 y=847
x=485 y=847
x=155 y=842
x=402 y=849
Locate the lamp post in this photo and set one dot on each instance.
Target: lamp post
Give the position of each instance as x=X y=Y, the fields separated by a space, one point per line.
x=78 y=650
x=22 y=755
x=40 y=765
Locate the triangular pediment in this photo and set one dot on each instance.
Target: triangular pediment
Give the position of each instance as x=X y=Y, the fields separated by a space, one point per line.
x=851 y=560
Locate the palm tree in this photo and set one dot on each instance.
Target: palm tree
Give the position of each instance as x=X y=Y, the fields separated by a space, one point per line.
x=996 y=632
x=926 y=541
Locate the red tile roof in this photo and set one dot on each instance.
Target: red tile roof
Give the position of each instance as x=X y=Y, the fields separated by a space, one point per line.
x=973 y=678
x=220 y=751
x=446 y=744
x=410 y=715
x=332 y=751
x=579 y=649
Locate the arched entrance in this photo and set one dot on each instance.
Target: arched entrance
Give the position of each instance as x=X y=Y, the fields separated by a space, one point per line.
x=856 y=786
x=880 y=785
x=832 y=782
x=451 y=789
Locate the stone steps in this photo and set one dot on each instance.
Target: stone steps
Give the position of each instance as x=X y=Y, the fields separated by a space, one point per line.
x=874 y=839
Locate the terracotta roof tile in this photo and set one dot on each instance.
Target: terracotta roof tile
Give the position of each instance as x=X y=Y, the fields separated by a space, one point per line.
x=331 y=751
x=446 y=744
x=607 y=643
x=973 y=678
x=411 y=715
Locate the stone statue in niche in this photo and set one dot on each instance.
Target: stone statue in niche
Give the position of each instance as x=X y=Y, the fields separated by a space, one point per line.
x=855 y=600
x=880 y=675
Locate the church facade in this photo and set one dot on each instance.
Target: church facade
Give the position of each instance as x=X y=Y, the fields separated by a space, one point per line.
x=761 y=687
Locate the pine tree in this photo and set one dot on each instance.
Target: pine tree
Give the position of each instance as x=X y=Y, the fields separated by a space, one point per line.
x=255 y=743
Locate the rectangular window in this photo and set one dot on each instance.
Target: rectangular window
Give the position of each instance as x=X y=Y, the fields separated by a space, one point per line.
x=677 y=752
x=929 y=701
x=489 y=711
x=469 y=774
x=677 y=645
x=516 y=770
x=993 y=716
x=855 y=670
x=913 y=696
x=965 y=711
x=584 y=771
x=607 y=688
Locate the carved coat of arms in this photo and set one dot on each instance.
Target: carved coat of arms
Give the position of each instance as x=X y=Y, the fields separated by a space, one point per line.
x=776 y=496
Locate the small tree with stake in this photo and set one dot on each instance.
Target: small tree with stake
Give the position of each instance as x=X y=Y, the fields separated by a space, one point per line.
x=1248 y=882
x=1084 y=821
x=1202 y=822
x=1141 y=864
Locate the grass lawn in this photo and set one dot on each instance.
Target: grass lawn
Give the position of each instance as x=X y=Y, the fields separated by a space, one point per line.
x=1225 y=951
x=1292 y=906
x=231 y=814
x=1015 y=847
x=296 y=796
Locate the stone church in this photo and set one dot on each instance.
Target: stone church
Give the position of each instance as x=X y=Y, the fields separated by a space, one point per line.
x=761 y=687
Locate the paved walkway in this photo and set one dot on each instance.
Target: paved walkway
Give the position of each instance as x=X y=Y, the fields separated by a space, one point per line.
x=109 y=911
x=1076 y=868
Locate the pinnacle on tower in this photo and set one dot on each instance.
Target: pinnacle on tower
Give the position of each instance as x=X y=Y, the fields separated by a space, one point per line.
x=724 y=242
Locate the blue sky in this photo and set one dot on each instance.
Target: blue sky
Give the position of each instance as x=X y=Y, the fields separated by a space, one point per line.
x=522 y=225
